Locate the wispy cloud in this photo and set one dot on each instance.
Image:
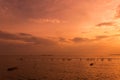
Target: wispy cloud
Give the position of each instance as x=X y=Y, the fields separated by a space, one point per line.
x=107 y=24
x=117 y=15
x=61 y=39
x=46 y=20
x=96 y=38
x=28 y=38
x=101 y=37
x=80 y=39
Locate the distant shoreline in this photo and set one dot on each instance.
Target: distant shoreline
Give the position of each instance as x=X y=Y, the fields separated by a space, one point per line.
x=46 y=55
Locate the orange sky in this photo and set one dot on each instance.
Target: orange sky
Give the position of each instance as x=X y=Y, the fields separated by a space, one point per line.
x=59 y=27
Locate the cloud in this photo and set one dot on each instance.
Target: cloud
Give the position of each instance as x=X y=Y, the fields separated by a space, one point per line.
x=19 y=11
x=41 y=11
x=25 y=34
x=46 y=20
x=28 y=38
x=113 y=21
x=116 y=35
x=97 y=38
x=16 y=48
x=117 y=15
x=11 y=48
x=86 y=40
x=37 y=45
x=101 y=37
x=79 y=39
x=24 y=43
x=106 y=24
x=23 y=10
x=61 y=39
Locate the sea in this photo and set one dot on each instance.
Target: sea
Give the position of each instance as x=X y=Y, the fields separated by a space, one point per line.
x=59 y=67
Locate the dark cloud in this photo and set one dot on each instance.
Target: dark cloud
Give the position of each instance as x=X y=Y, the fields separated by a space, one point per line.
x=101 y=37
x=97 y=38
x=106 y=24
x=26 y=38
x=7 y=48
x=11 y=48
x=16 y=48
x=79 y=39
x=61 y=39
x=9 y=44
x=25 y=34
x=23 y=43
x=86 y=40
x=6 y=35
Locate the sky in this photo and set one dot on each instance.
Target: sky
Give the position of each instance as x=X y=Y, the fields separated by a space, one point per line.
x=59 y=27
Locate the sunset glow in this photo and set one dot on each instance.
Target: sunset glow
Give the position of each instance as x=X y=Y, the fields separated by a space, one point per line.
x=81 y=27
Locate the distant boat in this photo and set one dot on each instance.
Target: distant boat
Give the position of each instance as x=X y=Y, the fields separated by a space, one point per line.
x=91 y=64
x=12 y=69
x=69 y=59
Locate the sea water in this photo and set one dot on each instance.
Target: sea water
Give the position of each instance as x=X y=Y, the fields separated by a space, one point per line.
x=59 y=68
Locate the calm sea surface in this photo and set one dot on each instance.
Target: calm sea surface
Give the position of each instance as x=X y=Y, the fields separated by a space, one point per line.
x=59 y=68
